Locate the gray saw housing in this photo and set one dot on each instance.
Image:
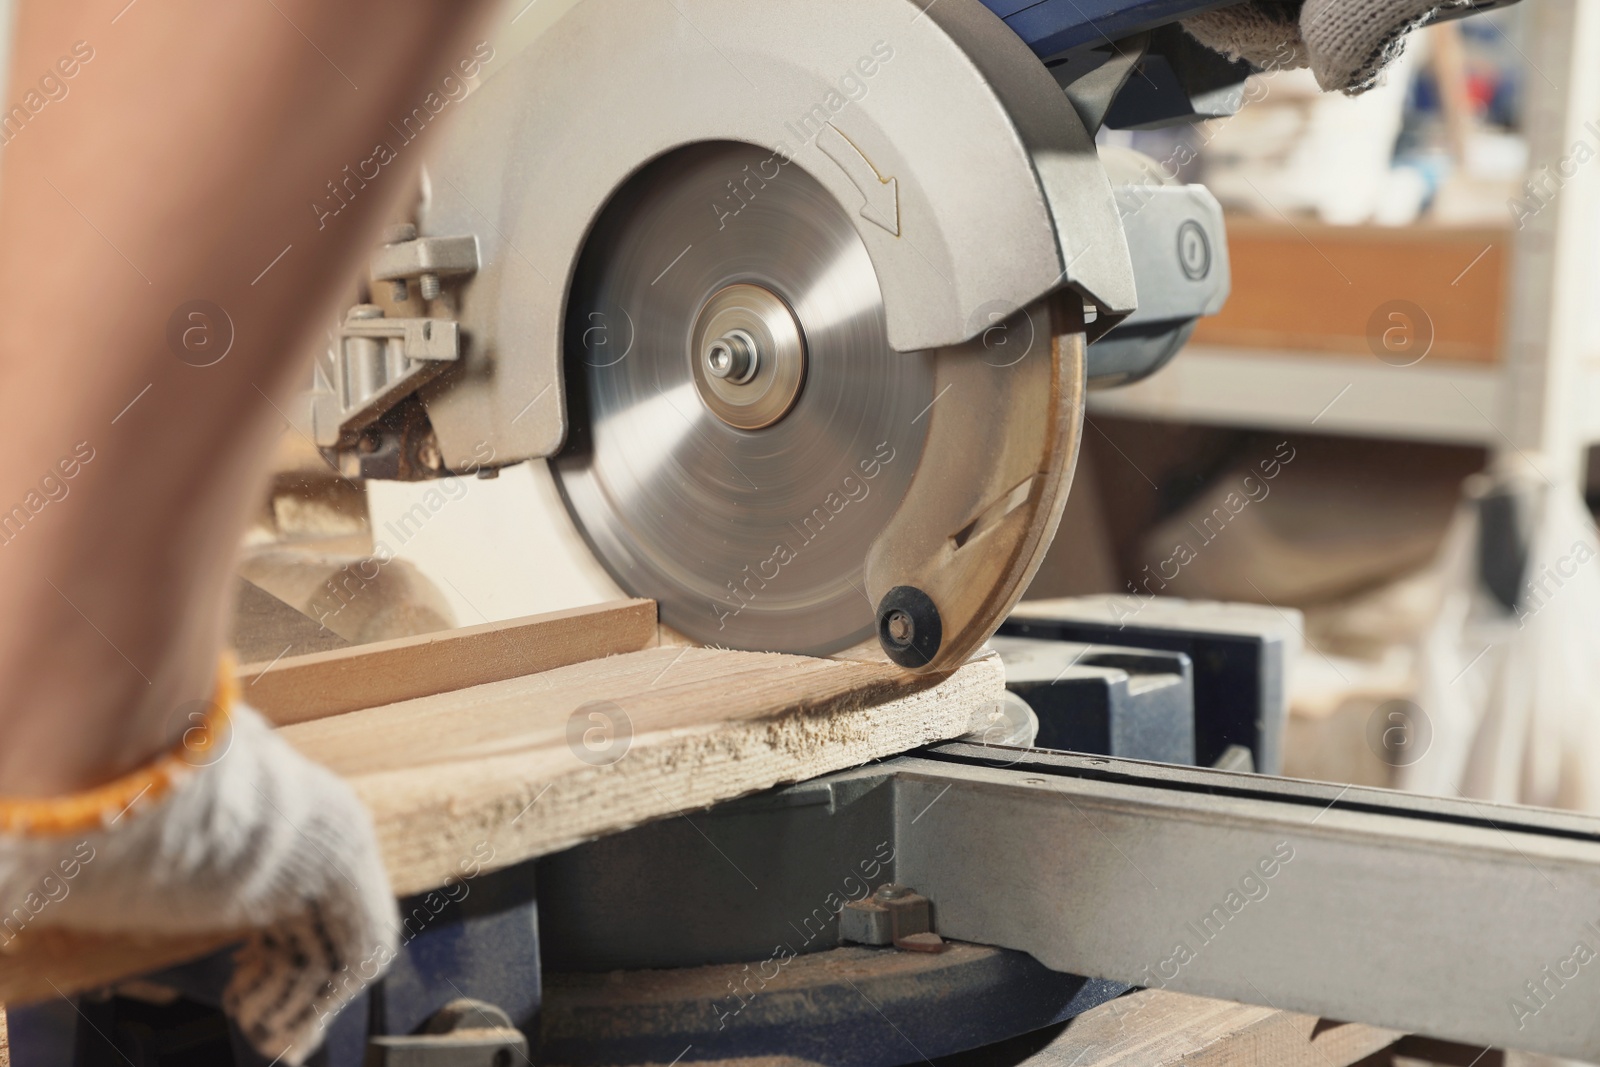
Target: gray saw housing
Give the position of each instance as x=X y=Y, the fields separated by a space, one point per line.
x=971 y=177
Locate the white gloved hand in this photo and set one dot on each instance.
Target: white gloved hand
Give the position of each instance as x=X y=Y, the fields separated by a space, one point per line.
x=1347 y=43
x=1351 y=42
x=233 y=830
x=1263 y=33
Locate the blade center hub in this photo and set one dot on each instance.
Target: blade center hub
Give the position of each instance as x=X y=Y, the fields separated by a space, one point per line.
x=733 y=357
x=748 y=356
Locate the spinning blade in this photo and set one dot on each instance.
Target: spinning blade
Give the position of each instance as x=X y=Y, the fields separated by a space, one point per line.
x=742 y=430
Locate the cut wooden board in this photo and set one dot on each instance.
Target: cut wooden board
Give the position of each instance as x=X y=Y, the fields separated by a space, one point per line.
x=502 y=772
x=1155 y=1028
x=531 y=765
x=301 y=688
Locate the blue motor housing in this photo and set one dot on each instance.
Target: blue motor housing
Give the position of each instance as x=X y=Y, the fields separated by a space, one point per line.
x=1051 y=27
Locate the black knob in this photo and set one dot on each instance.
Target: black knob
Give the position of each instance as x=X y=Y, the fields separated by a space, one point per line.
x=909 y=628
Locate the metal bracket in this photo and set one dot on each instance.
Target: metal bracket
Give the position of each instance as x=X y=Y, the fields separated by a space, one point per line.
x=378 y=362
x=404 y=256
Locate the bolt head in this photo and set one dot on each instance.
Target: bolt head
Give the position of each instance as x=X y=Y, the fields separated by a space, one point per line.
x=900 y=627
x=733 y=357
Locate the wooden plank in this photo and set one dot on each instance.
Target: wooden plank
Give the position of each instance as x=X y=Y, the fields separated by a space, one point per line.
x=532 y=765
x=1315 y=288
x=505 y=771
x=1154 y=1028
x=301 y=688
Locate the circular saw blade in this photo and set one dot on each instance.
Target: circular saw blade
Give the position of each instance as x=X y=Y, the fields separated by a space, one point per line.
x=745 y=538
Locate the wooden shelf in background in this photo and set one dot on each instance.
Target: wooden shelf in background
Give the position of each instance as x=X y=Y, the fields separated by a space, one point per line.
x=1304 y=286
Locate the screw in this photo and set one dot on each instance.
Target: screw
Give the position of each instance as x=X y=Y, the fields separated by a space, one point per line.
x=901 y=628
x=365 y=311
x=430 y=286
x=399 y=293
x=733 y=357
x=1194 y=250
x=890 y=891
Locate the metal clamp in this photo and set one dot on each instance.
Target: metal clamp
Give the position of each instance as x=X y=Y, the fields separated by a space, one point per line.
x=463 y=1033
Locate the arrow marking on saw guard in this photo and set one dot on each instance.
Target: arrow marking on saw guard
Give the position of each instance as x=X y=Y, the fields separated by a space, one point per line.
x=882 y=194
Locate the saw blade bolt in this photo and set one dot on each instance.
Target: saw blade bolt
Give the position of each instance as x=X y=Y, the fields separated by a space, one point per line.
x=734 y=357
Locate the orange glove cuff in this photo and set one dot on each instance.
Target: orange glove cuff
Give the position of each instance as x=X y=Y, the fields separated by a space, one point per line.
x=103 y=805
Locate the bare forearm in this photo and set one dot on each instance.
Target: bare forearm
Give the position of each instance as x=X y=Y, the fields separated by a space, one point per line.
x=177 y=163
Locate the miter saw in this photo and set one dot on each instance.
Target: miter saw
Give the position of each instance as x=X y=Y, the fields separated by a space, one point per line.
x=800 y=301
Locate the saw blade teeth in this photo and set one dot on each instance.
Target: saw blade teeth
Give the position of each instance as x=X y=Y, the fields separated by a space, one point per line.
x=747 y=537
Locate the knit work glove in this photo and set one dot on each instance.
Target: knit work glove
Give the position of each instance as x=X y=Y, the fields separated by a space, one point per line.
x=1346 y=43
x=231 y=830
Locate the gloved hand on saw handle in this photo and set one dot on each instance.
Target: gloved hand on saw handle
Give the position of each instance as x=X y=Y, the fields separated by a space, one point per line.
x=230 y=832
x=1346 y=43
